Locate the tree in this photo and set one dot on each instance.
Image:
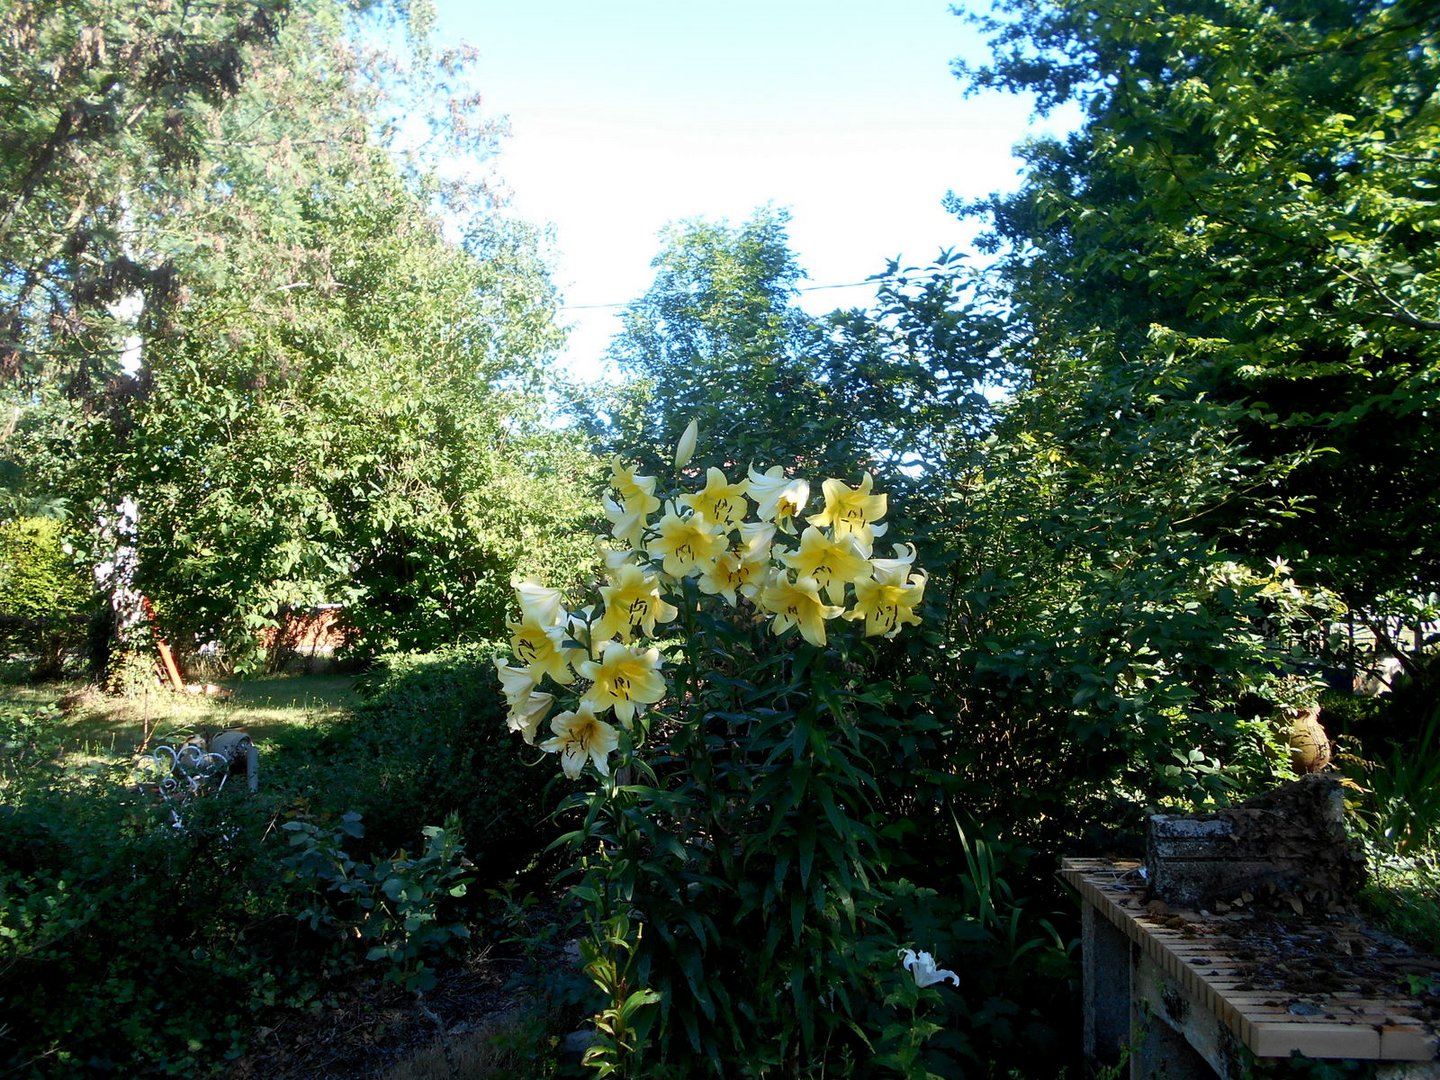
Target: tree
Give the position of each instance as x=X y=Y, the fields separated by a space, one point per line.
x=337 y=402
x=1185 y=335
x=115 y=112
x=1253 y=192
x=719 y=338
x=1109 y=652
x=44 y=598
x=109 y=114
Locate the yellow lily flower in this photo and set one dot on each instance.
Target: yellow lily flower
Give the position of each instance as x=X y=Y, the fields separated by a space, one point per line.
x=515 y=682
x=626 y=525
x=632 y=602
x=637 y=493
x=756 y=538
x=740 y=571
x=887 y=601
x=540 y=649
x=623 y=677
x=904 y=556
x=526 y=716
x=832 y=563
x=685 y=544
x=539 y=604
x=778 y=499
x=720 y=501
x=612 y=559
x=853 y=510
x=797 y=603
x=580 y=735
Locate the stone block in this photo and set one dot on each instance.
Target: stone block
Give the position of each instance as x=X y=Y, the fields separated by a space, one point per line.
x=1286 y=844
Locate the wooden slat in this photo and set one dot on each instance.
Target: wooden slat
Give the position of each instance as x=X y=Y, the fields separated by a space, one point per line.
x=1280 y=1039
x=1346 y=1023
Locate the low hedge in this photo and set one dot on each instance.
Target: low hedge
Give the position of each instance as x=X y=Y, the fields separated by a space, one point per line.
x=429 y=739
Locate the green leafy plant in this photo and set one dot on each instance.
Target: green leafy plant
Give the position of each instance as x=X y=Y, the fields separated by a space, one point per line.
x=1015 y=971
x=27 y=740
x=400 y=907
x=1400 y=897
x=1401 y=806
x=902 y=1043
x=111 y=918
x=609 y=959
x=733 y=829
x=428 y=740
x=45 y=598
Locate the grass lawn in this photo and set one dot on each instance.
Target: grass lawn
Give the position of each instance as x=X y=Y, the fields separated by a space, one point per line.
x=281 y=713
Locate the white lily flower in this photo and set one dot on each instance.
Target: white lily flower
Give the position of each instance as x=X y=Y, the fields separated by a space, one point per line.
x=922 y=966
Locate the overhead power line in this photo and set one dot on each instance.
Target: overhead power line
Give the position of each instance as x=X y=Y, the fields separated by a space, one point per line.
x=807 y=288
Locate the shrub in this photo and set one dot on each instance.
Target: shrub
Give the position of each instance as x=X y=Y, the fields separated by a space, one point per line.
x=135 y=943
x=1400 y=805
x=430 y=740
x=1015 y=999
x=401 y=908
x=44 y=598
x=129 y=946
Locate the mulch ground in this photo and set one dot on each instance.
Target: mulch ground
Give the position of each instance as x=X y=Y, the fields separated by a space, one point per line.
x=369 y=1029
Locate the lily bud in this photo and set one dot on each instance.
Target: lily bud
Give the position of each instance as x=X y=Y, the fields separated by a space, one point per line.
x=685 y=448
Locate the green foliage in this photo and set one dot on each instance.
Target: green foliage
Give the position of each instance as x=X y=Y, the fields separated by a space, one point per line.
x=130 y=947
x=132 y=944
x=401 y=908
x=719 y=339
x=334 y=401
x=1110 y=655
x=1400 y=807
x=44 y=597
x=609 y=959
x=110 y=116
x=27 y=738
x=1252 y=194
x=429 y=740
x=1090 y=648
x=1400 y=896
x=1016 y=975
x=916 y=372
x=746 y=852
x=414 y=518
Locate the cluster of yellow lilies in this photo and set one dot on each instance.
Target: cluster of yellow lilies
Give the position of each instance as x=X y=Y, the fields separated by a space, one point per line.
x=779 y=564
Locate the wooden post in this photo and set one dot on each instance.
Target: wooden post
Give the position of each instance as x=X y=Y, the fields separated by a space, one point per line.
x=167 y=658
x=1105 y=956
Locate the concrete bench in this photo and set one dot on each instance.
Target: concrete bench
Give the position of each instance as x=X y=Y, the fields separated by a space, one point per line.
x=1188 y=991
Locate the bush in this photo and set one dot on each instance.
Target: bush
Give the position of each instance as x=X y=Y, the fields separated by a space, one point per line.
x=1399 y=807
x=129 y=946
x=402 y=909
x=44 y=598
x=134 y=942
x=430 y=740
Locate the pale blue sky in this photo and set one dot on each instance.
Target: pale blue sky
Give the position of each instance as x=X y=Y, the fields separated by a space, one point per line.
x=628 y=114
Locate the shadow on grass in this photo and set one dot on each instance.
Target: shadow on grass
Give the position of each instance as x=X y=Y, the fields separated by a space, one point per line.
x=282 y=714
